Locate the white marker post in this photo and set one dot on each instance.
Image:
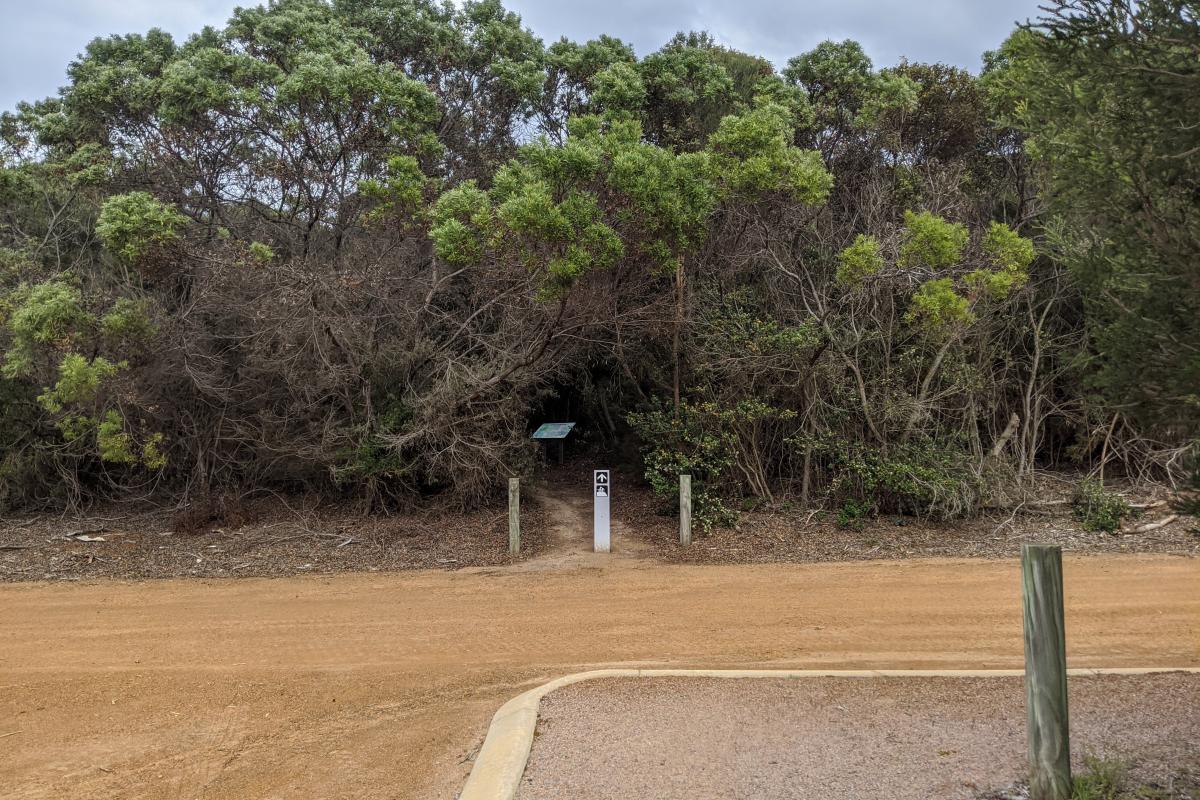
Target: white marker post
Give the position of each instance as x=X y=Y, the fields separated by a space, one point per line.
x=601 y=489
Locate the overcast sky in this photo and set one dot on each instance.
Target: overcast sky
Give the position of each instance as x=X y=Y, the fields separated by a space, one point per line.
x=40 y=37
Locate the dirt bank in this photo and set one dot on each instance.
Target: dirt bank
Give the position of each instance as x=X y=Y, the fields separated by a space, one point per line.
x=274 y=537
x=382 y=685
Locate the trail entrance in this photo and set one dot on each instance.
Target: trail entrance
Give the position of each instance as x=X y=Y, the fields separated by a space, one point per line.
x=569 y=504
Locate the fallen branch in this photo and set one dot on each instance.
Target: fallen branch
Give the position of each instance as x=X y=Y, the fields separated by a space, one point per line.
x=1148 y=506
x=1011 y=517
x=85 y=535
x=345 y=540
x=1153 y=526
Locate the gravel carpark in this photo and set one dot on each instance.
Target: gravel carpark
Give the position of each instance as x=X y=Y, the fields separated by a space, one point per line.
x=844 y=738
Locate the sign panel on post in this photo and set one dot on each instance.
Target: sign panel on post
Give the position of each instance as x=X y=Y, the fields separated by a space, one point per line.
x=601 y=490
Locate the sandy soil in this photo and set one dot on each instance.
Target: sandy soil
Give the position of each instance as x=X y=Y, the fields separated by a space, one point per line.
x=382 y=685
x=843 y=738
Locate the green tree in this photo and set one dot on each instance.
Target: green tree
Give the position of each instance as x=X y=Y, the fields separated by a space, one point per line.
x=1107 y=93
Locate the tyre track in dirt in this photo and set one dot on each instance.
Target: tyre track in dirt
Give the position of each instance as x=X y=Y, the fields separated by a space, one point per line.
x=382 y=685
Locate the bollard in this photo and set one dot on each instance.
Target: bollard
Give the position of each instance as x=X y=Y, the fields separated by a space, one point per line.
x=514 y=516
x=1048 y=726
x=685 y=510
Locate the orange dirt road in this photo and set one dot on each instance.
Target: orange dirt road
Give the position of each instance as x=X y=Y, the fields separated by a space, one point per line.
x=382 y=685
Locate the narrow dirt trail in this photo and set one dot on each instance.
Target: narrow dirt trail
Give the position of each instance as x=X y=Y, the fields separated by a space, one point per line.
x=570 y=514
x=381 y=685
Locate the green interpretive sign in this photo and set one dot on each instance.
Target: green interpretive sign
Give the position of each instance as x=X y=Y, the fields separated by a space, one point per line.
x=553 y=430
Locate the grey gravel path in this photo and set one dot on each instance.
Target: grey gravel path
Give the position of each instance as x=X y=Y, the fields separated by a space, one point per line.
x=839 y=738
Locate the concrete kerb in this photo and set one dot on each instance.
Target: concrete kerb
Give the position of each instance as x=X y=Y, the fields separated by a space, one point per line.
x=501 y=760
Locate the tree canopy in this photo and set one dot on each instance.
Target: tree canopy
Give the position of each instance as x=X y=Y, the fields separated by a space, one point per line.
x=361 y=247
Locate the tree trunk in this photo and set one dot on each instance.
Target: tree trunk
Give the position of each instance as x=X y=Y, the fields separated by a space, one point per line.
x=676 y=333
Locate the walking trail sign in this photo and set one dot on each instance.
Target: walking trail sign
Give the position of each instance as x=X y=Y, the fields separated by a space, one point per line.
x=601 y=491
x=553 y=430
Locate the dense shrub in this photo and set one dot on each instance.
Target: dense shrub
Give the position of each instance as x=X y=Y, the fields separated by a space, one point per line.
x=698 y=441
x=1097 y=508
x=923 y=479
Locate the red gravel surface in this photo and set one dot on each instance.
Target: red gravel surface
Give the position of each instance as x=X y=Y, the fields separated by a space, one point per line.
x=844 y=738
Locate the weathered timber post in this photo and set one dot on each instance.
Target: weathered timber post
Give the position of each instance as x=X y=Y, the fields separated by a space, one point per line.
x=1045 y=673
x=514 y=516
x=685 y=509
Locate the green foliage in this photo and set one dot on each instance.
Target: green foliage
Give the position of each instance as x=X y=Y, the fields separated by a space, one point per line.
x=400 y=192
x=79 y=381
x=774 y=90
x=605 y=195
x=754 y=155
x=153 y=457
x=262 y=253
x=700 y=442
x=1098 y=509
x=619 y=89
x=688 y=91
x=128 y=319
x=135 y=224
x=996 y=285
x=852 y=513
x=938 y=308
x=1103 y=779
x=1103 y=95
x=929 y=241
x=735 y=325
x=1006 y=249
x=115 y=445
x=46 y=312
x=833 y=72
x=43 y=314
x=859 y=261
x=1010 y=255
x=462 y=223
x=844 y=89
x=373 y=458
x=892 y=92
x=945 y=122
x=919 y=478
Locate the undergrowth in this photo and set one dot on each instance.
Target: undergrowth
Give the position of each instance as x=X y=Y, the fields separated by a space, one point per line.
x=1098 y=509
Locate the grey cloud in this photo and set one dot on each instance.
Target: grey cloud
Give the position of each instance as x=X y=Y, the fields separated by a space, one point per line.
x=41 y=37
x=952 y=31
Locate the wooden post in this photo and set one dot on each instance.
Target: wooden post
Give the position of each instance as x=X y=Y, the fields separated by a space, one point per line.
x=1045 y=673
x=685 y=509
x=514 y=516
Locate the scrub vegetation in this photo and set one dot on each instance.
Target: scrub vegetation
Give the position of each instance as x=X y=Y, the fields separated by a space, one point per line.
x=358 y=248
